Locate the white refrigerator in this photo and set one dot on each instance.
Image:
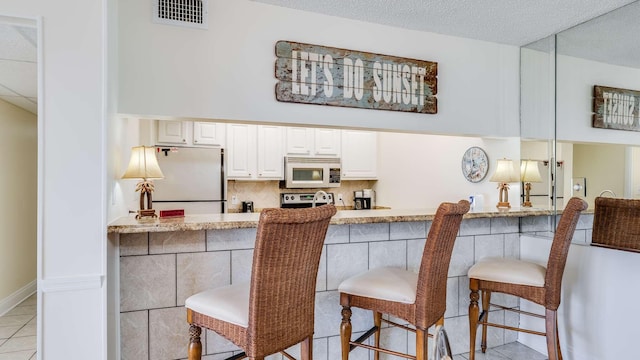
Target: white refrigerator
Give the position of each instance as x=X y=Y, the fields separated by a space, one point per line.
x=194 y=180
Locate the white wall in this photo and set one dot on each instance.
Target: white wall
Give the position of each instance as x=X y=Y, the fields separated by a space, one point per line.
x=537 y=106
x=596 y=317
x=227 y=71
x=71 y=175
x=18 y=215
x=421 y=171
x=575 y=81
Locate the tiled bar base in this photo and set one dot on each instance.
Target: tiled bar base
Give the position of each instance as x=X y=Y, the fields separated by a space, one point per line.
x=159 y=270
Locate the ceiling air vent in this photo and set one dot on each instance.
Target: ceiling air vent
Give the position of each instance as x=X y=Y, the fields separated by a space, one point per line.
x=189 y=13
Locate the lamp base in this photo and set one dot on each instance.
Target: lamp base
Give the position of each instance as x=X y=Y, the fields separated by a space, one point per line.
x=503 y=204
x=527 y=204
x=146 y=213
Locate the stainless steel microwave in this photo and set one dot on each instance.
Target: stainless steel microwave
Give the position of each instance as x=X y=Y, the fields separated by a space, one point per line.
x=311 y=172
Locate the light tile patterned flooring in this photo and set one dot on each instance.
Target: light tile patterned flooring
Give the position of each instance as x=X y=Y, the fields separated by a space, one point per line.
x=18 y=332
x=511 y=351
x=18 y=339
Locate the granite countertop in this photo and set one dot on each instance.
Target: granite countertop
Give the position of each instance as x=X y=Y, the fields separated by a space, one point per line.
x=248 y=220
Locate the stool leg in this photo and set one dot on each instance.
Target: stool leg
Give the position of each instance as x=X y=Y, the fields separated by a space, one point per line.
x=558 y=341
x=551 y=327
x=377 y=321
x=195 y=346
x=306 y=349
x=473 y=316
x=486 y=300
x=422 y=345
x=345 y=331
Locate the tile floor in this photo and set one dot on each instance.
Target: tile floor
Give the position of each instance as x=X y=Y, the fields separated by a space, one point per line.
x=511 y=351
x=18 y=339
x=18 y=332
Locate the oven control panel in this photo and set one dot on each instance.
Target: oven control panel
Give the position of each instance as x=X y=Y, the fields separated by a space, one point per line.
x=298 y=200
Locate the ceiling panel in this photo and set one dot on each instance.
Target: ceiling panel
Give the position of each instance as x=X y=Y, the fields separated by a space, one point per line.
x=20 y=77
x=501 y=21
x=16 y=46
x=27 y=104
x=18 y=65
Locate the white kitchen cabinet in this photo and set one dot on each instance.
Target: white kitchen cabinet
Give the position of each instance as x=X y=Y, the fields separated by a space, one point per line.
x=359 y=155
x=327 y=142
x=255 y=152
x=270 y=152
x=208 y=133
x=313 y=142
x=241 y=151
x=190 y=133
x=173 y=132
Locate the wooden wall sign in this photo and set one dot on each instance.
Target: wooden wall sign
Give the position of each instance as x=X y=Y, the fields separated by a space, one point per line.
x=616 y=108
x=313 y=74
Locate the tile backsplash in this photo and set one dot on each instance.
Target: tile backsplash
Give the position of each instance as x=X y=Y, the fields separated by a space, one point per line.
x=266 y=194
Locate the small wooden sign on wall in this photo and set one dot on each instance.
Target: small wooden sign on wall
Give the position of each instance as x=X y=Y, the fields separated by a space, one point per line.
x=313 y=74
x=615 y=108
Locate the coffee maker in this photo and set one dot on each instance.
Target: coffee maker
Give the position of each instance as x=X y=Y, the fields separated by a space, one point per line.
x=363 y=199
x=247 y=206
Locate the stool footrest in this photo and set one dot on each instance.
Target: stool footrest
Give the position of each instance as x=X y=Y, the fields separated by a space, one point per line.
x=239 y=356
x=362 y=338
x=518 y=311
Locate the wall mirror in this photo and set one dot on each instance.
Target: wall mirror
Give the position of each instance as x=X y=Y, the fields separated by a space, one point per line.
x=558 y=75
x=604 y=51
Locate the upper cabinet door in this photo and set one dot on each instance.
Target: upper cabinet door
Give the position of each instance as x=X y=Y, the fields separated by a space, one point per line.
x=270 y=155
x=299 y=141
x=327 y=142
x=173 y=132
x=313 y=142
x=241 y=153
x=359 y=155
x=208 y=133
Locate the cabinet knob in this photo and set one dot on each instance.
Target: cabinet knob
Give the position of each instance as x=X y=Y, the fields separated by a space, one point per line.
x=195 y=141
x=184 y=140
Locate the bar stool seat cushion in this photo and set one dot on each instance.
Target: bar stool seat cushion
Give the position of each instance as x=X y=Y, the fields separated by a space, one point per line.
x=510 y=271
x=391 y=284
x=227 y=303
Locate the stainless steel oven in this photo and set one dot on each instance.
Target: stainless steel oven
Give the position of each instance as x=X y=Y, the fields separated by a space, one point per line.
x=303 y=200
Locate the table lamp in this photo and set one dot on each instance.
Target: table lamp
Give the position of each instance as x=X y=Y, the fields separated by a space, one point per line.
x=529 y=172
x=144 y=165
x=504 y=175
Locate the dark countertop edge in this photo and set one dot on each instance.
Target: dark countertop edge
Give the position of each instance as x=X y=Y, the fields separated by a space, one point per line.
x=128 y=225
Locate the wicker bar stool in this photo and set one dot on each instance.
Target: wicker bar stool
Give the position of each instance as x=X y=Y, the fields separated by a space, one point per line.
x=527 y=280
x=420 y=299
x=616 y=224
x=276 y=309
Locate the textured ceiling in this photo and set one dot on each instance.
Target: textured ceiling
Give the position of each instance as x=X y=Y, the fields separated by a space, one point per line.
x=18 y=66
x=612 y=38
x=503 y=21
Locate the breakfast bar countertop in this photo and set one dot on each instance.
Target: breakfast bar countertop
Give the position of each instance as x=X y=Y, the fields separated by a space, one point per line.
x=129 y=224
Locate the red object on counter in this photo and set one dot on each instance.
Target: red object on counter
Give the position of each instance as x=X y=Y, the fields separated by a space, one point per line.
x=172 y=213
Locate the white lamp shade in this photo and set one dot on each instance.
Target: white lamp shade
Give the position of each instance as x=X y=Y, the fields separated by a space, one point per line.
x=143 y=164
x=505 y=173
x=529 y=171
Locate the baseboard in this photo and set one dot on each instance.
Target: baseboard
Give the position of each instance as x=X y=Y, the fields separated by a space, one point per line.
x=17 y=297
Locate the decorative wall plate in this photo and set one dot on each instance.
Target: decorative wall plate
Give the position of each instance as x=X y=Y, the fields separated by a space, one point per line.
x=475 y=164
